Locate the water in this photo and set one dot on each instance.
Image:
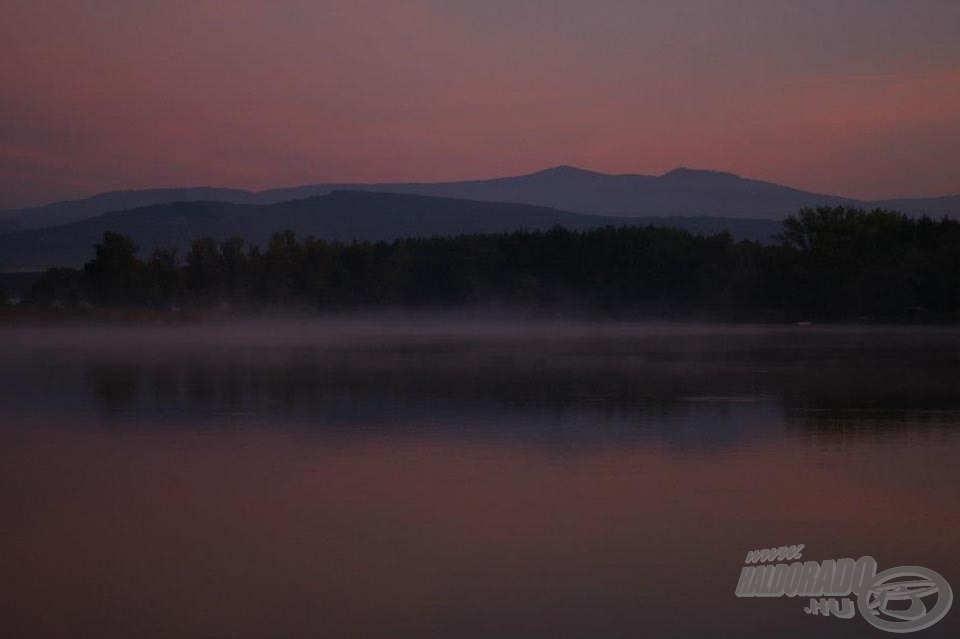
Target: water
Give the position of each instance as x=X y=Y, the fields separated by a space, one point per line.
x=457 y=478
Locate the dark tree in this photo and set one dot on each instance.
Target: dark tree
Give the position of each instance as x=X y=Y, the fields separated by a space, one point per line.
x=165 y=280
x=830 y=264
x=203 y=274
x=115 y=275
x=59 y=288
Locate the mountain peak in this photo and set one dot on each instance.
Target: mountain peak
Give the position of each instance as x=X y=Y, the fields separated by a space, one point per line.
x=684 y=173
x=565 y=170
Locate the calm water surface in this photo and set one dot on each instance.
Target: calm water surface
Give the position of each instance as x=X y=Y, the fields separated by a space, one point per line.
x=462 y=479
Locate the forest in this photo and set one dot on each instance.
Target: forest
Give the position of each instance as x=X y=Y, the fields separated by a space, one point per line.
x=827 y=264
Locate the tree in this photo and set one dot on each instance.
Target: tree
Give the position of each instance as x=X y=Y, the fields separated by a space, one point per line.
x=235 y=262
x=830 y=263
x=58 y=288
x=115 y=275
x=164 y=278
x=203 y=275
x=284 y=267
x=855 y=263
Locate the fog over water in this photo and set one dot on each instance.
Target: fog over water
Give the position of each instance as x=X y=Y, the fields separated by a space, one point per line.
x=456 y=476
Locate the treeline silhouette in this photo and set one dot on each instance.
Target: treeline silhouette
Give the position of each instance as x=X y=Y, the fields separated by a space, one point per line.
x=828 y=264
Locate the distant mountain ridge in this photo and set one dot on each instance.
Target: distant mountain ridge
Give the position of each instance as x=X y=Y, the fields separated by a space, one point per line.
x=678 y=193
x=340 y=215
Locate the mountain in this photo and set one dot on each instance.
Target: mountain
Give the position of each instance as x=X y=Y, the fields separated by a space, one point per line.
x=341 y=215
x=681 y=192
x=73 y=210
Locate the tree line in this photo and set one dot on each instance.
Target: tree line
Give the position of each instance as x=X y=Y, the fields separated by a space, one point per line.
x=832 y=263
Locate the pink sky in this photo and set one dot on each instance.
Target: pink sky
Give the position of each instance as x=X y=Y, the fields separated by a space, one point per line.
x=851 y=97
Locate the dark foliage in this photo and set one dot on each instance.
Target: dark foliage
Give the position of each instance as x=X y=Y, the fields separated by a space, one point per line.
x=115 y=276
x=59 y=287
x=830 y=263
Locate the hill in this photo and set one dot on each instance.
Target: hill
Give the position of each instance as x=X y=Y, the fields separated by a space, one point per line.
x=341 y=215
x=678 y=193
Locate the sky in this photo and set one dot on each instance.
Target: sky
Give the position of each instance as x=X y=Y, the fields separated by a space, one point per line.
x=849 y=97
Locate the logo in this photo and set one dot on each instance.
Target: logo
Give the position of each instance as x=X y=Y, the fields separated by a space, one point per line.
x=902 y=599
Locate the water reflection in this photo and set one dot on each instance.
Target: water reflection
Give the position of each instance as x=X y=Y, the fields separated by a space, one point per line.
x=514 y=481
x=830 y=380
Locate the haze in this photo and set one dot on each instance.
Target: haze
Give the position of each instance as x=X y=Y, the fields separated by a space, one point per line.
x=855 y=98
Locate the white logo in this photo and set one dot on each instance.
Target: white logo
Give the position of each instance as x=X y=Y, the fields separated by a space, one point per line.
x=903 y=599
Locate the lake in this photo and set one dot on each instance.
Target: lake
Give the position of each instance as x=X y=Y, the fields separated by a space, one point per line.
x=452 y=477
